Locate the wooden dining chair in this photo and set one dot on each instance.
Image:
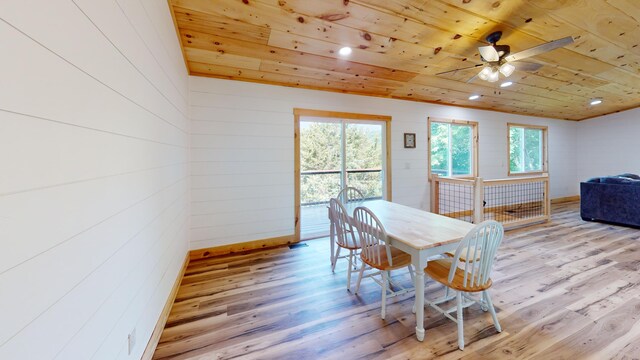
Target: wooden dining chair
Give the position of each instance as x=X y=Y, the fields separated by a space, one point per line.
x=376 y=254
x=471 y=276
x=345 y=195
x=349 y=194
x=344 y=237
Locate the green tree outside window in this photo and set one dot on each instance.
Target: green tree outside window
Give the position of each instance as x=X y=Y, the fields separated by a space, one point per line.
x=320 y=150
x=451 y=149
x=525 y=149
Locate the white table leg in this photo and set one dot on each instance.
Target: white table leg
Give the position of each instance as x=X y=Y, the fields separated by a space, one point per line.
x=419 y=262
x=420 y=305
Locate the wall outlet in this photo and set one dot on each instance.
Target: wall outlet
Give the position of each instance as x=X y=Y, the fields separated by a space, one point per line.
x=131 y=340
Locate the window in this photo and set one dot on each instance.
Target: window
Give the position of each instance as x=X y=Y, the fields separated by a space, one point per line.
x=527 y=149
x=453 y=147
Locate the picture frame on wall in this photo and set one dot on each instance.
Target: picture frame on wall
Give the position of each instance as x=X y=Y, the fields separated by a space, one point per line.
x=410 y=140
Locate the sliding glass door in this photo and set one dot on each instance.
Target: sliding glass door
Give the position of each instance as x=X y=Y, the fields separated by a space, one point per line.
x=335 y=153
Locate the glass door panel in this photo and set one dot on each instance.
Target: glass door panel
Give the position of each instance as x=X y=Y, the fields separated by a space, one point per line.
x=364 y=150
x=335 y=153
x=321 y=176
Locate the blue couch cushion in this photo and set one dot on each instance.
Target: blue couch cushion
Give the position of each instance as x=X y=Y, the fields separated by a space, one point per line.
x=619 y=180
x=630 y=176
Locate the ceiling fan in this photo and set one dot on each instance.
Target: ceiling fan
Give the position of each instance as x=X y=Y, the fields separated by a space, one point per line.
x=499 y=60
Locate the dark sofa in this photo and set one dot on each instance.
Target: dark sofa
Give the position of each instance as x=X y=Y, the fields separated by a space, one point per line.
x=611 y=199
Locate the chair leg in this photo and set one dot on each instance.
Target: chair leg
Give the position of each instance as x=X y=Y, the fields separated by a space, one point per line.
x=360 y=276
x=483 y=302
x=413 y=280
x=349 y=270
x=335 y=260
x=333 y=244
x=492 y=310
x=385 y=283
x=460 y=321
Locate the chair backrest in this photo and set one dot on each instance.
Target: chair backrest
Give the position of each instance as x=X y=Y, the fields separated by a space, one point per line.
x=373 y=236
x=480 y=244
x=344 y=231
x=349 y=194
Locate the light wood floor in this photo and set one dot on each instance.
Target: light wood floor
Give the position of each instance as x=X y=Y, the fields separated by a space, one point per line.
x=567 y=289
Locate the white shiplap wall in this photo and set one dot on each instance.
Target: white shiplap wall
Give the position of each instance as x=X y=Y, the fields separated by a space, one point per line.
x=608 y=145
x=94 y=174
x=242 y=153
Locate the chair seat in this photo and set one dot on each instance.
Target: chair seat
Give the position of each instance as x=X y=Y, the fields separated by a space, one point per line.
x=438 y=270
x=463 y=254
x=399 y=258
x=355 y=246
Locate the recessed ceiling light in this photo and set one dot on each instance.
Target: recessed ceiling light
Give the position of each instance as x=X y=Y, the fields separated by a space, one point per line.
x=345 y=51
x=596 y=101
x=506 y=83
x=474 y=97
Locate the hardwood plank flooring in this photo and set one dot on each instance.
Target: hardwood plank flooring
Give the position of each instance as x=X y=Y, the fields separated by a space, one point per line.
x=566 y=289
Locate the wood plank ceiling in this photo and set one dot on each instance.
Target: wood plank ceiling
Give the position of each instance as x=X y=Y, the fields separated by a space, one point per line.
x=399 y=46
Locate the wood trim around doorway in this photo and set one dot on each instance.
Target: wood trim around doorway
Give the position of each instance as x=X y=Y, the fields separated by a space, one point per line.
x=297 y=113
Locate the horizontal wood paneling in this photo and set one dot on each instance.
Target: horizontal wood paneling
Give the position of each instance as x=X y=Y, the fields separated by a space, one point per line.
x=231 y=128
x=103 y=24
x=67 y=164
x=207 y=181
x=241 y=167
x=239 y=154
x=277 y=223
x=94 y=191
x=241 y=141
x=238 y=205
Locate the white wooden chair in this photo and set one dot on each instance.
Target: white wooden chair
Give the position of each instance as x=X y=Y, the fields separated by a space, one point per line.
x=471 y=276
x=345 y=237
x=345 y=195
x=377 y=255
x=349 y=194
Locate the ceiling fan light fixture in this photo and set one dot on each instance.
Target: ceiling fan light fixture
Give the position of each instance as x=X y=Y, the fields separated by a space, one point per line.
x=345 y=51
x=484 y=74
x=596 y=101
x=494 y=76
x=507 y=69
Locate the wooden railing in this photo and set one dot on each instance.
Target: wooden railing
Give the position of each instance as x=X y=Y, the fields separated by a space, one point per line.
x=337 y=184
x=513 y=202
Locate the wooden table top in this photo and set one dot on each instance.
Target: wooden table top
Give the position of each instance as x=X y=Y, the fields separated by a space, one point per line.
x=417 y=228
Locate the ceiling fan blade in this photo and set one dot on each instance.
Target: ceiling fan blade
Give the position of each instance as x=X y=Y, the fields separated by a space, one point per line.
x=454 y=70
x=489 y=53
x=526 y=66
x=472 y=78
x=536 y=50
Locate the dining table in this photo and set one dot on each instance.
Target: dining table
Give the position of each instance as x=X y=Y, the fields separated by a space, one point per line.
x=421 y=234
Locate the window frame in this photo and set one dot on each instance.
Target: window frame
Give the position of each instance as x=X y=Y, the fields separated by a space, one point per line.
x=474 y=142
x=545 y=152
